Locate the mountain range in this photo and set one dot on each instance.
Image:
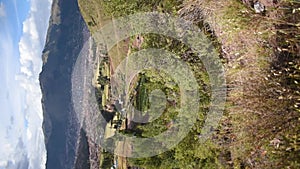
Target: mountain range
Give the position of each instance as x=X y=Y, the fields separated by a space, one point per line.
x=64 y=138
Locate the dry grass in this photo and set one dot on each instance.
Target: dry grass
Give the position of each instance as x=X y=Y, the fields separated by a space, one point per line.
x=257 y=112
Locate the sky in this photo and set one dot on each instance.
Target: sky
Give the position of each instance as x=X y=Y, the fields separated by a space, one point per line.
x=23 y=28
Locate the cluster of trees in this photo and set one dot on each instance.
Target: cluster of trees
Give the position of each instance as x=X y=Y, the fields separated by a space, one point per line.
x=190 y=152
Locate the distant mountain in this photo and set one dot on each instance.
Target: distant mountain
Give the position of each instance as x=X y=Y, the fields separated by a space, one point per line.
x=67 y=33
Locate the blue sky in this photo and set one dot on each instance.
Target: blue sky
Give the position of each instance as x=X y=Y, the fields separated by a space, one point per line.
x=23 y=27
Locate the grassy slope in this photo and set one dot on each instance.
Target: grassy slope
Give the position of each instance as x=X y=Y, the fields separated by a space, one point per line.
x=263 y=99
x=263 y=106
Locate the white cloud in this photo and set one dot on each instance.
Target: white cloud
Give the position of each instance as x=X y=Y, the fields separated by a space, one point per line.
x=30 y=47
x=12 y=120
x=2 y=10
x=20 y=159
x=22 y=144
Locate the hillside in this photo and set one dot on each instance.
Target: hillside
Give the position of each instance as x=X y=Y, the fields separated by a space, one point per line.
x=258 y=45
x=67 y=33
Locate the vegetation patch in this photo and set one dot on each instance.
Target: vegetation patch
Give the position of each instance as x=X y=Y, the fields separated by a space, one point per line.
x=260 y=52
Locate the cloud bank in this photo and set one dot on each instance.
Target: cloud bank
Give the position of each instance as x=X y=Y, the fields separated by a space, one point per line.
x=30 y=48
x=22 y=140
x=11 y=101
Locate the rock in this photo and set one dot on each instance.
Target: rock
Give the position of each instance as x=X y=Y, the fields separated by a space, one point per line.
x=259 y=7
x=275 y=142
